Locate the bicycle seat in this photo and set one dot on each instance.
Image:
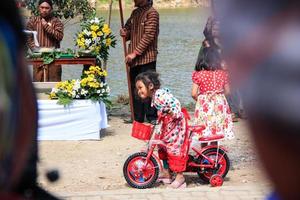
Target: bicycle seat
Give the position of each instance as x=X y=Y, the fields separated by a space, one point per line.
x=211 y=138
x=196 y=128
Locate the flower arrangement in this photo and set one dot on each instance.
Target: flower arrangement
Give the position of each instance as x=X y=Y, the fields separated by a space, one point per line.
x=96 y=37
x=91 y=86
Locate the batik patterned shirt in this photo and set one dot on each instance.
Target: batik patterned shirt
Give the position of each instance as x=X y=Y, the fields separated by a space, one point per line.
x=142 y=31
x=49 y=35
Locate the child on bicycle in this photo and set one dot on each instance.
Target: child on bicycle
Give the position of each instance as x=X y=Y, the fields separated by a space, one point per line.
x=172 y=127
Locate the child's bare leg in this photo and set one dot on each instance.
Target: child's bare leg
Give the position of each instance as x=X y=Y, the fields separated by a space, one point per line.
x=179 y=177
x=165 y=172
x=179 y=181
x=165 y=175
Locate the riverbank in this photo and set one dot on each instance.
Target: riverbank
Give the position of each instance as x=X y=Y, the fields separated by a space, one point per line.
x=159 y=4
x=128 y=4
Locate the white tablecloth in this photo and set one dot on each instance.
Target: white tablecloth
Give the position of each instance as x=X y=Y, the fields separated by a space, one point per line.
x=82 y=120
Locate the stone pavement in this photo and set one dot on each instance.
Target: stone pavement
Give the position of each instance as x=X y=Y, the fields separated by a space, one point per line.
x=246 y=192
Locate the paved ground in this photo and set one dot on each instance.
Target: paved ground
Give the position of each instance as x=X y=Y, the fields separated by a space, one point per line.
x=196 y=193
x=93 y=169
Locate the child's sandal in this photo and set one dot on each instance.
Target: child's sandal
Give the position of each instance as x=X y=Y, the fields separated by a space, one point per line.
x=177 y=185
x=164 y=180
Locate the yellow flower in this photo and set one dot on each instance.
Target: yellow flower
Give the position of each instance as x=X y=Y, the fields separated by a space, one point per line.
x=97 y=68
x=105 y=26
x=108 y=42
x=80 y=43
x=104 y=73
x=106 y=29
x=52 y=95
x=99 y=33
x=90 y=77
x=98 y=49
x=83 y=82
x=94 y=84
x=94 y=27
x=94 y=35
x=80 y=35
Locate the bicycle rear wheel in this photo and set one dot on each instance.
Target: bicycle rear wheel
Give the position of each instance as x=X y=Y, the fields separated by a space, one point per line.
x=221 y=168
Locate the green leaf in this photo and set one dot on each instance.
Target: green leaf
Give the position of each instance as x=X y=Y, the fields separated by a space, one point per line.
x=66 y=8
x=64 y=101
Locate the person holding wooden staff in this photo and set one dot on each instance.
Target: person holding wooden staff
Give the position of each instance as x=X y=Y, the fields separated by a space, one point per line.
x=141 y=29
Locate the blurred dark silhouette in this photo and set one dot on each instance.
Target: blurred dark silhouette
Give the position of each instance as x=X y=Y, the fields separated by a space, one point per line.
x=262 y=44
x=18 y=113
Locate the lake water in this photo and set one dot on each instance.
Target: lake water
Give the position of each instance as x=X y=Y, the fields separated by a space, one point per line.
x=179 y=42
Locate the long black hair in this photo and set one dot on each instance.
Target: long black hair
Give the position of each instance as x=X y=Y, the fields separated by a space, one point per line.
x=211 y=59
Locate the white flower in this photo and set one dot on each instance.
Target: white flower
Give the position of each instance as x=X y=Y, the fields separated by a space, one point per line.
x=76 y=86
x=54 y=90
x=98 y=91
x=88 y=33
x=96 y=20
x=108 y=90
x=101 y=84
x=88 y=42
x=84 y=92
x=73 y=94
x=77 y=96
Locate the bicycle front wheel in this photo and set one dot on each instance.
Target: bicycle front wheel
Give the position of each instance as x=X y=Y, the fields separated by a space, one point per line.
x=138 y=175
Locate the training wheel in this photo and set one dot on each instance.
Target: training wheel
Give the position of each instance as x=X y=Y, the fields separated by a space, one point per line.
x=216 y=180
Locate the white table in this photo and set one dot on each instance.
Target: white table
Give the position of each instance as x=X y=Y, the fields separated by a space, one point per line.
x=82 y=120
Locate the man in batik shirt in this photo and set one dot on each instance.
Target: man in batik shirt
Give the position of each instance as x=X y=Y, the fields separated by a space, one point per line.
x=49 y=34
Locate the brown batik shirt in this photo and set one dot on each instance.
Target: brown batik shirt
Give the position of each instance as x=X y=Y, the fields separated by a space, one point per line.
x=48 y=35
x=142 y=31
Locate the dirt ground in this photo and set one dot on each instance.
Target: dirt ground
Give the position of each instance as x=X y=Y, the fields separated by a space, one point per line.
x=86 y=166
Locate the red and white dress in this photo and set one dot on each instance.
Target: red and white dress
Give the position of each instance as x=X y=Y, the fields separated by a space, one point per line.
x=172 y=130
x=212 y=109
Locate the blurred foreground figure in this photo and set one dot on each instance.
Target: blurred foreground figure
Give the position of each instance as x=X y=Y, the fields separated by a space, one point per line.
x=18 y=113
x=264 y=37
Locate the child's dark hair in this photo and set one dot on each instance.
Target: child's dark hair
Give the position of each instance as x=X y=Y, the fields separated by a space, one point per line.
x=149 y=77
x=211 y=60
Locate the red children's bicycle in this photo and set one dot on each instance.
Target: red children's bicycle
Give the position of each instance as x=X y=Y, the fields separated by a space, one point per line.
x=211 y=162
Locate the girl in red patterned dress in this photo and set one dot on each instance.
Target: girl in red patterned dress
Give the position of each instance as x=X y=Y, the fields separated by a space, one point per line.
x=209 y=88
x=172 y=127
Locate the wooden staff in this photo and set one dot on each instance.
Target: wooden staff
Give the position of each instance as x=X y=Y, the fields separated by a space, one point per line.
x=127 y=66
x=108 y=19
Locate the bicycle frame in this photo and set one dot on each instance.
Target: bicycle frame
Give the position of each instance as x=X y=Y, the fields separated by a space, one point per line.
x=199 y=152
